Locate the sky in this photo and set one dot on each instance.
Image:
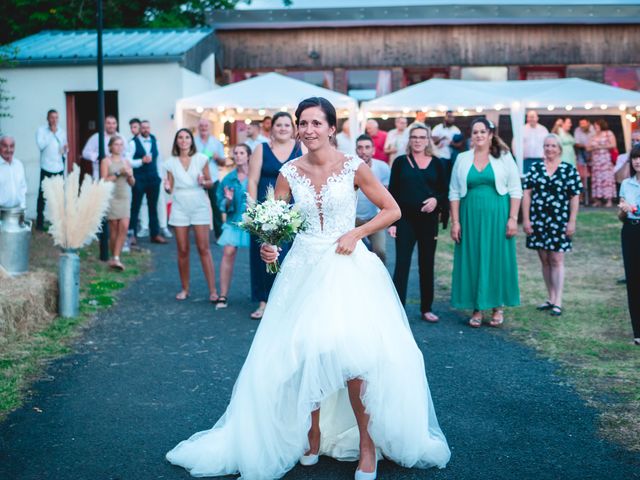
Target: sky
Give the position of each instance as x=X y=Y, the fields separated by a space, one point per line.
x=277 y=4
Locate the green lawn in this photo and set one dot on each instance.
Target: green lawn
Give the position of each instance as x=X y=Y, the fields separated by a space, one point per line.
x=592 y=340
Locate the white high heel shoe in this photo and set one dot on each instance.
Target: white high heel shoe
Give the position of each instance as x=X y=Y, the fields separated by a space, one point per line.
x=309 y=460
x=360 y=475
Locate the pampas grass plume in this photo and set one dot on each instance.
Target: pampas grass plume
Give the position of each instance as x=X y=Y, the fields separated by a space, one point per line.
x=75 y=219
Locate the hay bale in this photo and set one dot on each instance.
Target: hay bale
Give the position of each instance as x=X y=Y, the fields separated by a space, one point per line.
x=27 y=302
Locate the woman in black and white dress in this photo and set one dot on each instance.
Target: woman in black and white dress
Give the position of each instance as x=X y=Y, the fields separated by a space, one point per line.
x=549 y=211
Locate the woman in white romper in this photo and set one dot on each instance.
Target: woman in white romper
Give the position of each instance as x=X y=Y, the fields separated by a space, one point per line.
x=187 y=178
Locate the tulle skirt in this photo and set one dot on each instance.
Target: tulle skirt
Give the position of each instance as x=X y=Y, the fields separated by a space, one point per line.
x=234 y=236
x=330 y=318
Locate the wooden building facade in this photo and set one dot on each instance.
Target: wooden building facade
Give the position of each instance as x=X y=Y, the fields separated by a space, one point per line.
x=383 y=49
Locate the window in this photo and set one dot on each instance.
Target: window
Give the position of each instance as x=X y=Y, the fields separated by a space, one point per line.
x=623 y=77
x=319 y=78
x=368 y=84
x=492 y=74
x=542 y=73
x=418 y=75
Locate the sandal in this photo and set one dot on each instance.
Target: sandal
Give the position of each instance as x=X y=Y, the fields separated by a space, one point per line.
x=636 y=342
x=497 y=318
x=214 y=298
x=182 y=295
x=258 y=313
x=430 y=317
x=547 y=305
x=556 y=311
x=476 y=319
x=222 y=302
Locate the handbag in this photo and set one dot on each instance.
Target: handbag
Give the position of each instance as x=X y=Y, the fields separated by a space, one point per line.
x=614 y=155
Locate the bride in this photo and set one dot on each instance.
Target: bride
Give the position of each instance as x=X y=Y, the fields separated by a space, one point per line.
x=334 y=368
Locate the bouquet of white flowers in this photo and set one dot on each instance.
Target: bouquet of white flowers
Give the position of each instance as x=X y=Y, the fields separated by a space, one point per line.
x=274 y=222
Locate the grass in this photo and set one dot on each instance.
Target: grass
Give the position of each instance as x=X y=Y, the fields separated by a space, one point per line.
x=23 y=358
x=592 y=340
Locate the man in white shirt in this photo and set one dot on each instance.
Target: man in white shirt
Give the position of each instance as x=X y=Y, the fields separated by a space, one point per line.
x=533 y=140
x=397 y=140
x=52 y=143
x=210 y=146
x=90 y=151
x=365 y=209
x=13 y=184
x=442 y=136
x=254 y=137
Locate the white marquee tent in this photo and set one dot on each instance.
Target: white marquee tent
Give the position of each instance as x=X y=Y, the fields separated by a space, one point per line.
x=256 y=97
x=564 y=96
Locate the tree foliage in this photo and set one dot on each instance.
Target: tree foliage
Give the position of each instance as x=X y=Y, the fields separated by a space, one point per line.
x=26 y=17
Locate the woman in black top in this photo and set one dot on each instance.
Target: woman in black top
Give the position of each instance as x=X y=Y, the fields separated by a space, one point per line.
x=419 y=185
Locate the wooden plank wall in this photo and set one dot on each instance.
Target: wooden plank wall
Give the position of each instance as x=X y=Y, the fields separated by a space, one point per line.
x=476 y=45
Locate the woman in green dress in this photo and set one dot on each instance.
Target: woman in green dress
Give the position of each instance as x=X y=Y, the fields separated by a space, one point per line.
x=485 y=194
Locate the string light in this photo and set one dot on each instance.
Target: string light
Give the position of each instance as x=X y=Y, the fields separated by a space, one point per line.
x=406 y=110
x=603 y=106
x=284 y=109
x=551 y=108
x=568 y=108
x=247 y=121
x=588 y=106
x=239 y=109
x=465 y=113
x=262 y=112
x=479 y=109
x=460 y=110
x=221 y=108
x=432 y=114
x=384 y=117
x=622 y=108
x=199 y=109
x=498 y=106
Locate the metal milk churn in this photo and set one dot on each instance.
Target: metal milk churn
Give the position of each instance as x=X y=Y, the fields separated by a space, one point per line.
x=15 y=237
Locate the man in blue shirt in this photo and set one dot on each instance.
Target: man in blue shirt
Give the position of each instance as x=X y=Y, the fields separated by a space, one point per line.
x=208 y=145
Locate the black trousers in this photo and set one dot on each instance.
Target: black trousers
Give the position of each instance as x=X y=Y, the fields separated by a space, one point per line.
x=40 y=208
x=217 y=214
x=150 y=188
x=412 y=228
x=631 y=258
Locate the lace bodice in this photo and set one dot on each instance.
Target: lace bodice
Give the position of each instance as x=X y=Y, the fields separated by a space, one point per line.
x=332 y=210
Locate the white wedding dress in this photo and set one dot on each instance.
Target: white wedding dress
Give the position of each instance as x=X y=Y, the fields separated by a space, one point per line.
x=330 y=318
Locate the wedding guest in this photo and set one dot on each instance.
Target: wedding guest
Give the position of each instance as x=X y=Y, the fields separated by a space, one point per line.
x=629 y=213
x=366 y=209
x=144 y=130
x=622 y=167
x=144 y=161
x=344 y=140
x=91 y=151
x=265 y=126
x=213 y=149
x=562 y=128
x=116 y=168
x=379 y=138
x=583 y=135
x=52 y=143
x=187 y=178
x=549 y=212
x=134 y=128
x=484 y=194
x=397 y=140
x=442 y=136
x=254 y=137
x=533 y=137
x=264 y=168
x=419 y=186
x=13 y=183
x=603 y=184
x=232 y=198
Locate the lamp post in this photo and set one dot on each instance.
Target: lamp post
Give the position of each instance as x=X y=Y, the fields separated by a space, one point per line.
x=104 y=236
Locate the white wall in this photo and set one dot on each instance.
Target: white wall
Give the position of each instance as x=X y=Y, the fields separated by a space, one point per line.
x=146 y=91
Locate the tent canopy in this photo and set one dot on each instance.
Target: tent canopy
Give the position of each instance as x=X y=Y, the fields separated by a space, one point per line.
x=466 y=97
x=270 y=91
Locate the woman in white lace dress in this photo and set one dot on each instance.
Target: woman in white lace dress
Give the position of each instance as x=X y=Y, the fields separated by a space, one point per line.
x=333 y=368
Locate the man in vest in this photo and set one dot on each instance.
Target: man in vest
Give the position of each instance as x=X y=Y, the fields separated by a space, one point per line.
x=145 y=170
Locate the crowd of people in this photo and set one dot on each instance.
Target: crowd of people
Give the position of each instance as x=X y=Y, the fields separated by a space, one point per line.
x=436 y=176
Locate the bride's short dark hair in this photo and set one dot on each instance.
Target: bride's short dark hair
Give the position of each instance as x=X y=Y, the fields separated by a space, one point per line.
x=323 y=104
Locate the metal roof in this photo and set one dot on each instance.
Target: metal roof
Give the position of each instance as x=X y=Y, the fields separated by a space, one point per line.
x=462 y=12
x=119 y=46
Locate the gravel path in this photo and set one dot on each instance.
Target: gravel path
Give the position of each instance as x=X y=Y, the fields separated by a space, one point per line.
x=151 y=371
